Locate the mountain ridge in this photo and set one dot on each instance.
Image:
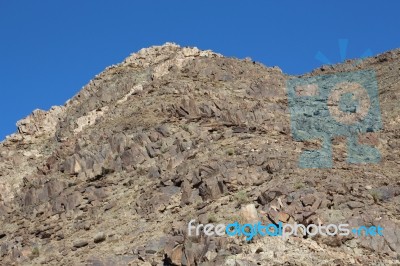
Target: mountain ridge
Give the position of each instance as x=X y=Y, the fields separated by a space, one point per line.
x=172 y=133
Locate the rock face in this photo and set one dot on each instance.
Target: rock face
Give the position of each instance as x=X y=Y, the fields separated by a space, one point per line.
x=174 y=134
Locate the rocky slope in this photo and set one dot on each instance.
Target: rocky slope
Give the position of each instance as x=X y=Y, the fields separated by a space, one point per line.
x=173 y=134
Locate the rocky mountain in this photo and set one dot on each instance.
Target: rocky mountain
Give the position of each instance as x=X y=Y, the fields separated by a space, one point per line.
x=172 y=134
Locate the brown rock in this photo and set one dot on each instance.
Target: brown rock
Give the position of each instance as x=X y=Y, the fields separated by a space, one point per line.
x=249 y=213
x=176 y=255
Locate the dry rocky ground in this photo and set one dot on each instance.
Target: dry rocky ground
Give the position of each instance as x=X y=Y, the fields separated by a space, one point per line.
x=173 y=134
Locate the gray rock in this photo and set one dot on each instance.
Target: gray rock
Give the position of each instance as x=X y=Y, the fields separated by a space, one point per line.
x=80 y=243
x=99 y=237
x=355 y=204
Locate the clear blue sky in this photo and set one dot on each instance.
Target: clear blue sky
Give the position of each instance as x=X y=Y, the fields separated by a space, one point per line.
x=50 y=49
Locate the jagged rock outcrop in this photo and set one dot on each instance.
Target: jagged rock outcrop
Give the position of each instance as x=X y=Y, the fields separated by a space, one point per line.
x=173 y=134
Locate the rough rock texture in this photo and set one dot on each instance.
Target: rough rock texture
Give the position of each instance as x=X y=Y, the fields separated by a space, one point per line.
x=174 y=134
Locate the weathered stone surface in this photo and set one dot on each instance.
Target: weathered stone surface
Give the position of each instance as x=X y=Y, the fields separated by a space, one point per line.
x=41 y=122
x=175 y=134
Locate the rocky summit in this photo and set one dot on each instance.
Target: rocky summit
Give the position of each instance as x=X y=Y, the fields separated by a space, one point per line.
x=176 y=134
